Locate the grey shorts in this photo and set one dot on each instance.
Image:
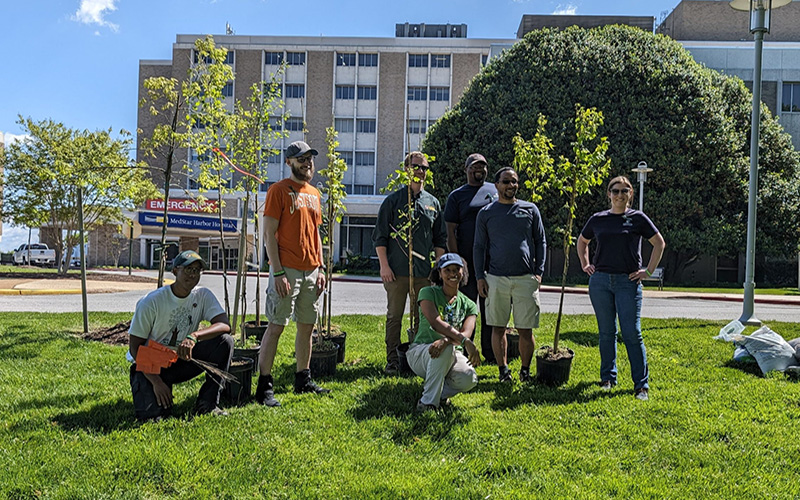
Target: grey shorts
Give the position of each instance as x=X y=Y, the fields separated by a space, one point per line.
x=518 y=292
x=302 y=302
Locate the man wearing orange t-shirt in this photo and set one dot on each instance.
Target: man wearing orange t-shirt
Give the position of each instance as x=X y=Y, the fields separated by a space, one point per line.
x=292 y=215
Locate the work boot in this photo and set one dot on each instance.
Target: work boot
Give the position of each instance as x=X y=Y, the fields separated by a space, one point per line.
x=265 y=395
x=303 y=383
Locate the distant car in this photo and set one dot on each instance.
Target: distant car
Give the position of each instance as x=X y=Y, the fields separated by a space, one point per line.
x=75 y=261
x=38 y=254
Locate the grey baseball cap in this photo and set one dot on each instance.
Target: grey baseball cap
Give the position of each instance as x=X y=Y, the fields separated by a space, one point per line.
x=187 y=257
x=299 y=148
x=475 y=158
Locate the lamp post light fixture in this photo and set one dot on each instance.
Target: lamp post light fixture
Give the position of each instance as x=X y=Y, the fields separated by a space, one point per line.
x=641 y=173
x=759 y=24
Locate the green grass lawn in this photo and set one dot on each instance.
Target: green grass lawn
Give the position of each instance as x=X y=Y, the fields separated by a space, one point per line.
x=712 y=428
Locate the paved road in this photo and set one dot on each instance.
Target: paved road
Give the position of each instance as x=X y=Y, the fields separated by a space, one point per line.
x=369 y=298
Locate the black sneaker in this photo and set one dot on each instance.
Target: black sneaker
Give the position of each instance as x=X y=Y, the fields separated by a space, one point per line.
x=202 y=407
x=265 y=395
x=392 y=368
x=505 y=377
x=310 y=386
x=525 y=376
x=303 y=384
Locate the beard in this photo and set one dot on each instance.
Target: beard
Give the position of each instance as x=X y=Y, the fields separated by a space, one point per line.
x=303 y=174
x=479 y=175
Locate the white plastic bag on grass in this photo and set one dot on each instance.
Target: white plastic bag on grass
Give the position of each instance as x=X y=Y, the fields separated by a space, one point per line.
x=731 y=331
x=743 y=355
x=771 y=351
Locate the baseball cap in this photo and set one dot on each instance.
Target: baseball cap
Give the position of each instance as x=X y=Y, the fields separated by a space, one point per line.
x=187 y=257
x=447 y=259
x=299 y=148
x=475 y=158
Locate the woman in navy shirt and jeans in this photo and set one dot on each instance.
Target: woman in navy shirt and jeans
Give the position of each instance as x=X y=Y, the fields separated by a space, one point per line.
x=615 y=280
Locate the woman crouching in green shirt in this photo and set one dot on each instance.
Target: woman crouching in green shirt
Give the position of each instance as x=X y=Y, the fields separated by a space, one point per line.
x=446 y=323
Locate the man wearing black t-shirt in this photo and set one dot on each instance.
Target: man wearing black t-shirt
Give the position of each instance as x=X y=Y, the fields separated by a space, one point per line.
x=460 y=212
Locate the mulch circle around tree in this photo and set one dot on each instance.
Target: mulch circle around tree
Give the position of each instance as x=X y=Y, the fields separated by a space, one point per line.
x=76 y=276
x=113 y=335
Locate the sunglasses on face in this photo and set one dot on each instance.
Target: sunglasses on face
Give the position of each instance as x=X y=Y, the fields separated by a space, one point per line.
x=304 y=159
x=509 y=181
x=417 y=166
x=620 y=191
x=193 y=271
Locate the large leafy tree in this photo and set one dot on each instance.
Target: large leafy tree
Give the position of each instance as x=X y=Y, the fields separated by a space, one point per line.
x=688 y=122
x=44 y=171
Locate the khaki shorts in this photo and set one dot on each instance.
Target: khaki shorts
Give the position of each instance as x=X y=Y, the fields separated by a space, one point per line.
x=518 y=292
x=302 y=302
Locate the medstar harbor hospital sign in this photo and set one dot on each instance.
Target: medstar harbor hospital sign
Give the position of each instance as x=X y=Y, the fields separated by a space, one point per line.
x=187 y=222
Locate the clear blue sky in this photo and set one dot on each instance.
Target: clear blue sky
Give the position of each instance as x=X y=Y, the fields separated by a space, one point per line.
x=76 y=61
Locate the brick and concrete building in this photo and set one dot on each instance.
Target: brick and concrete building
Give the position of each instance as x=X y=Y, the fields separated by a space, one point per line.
x=380 y=93
x=719 y=37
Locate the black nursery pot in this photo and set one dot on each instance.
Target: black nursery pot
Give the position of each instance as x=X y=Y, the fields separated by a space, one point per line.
x=323 y=359
x=554 y=372
x=402 y=349
x=339 y=340
x=512 y=349
x=253 y=330
x=238 y=392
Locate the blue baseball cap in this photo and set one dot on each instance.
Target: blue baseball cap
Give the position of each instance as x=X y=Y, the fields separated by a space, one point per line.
x=447 y=259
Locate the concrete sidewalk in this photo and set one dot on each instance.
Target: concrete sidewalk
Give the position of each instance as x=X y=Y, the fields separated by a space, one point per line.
x=22 y=286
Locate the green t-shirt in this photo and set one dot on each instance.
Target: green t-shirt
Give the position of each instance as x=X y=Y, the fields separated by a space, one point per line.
x=453 y=314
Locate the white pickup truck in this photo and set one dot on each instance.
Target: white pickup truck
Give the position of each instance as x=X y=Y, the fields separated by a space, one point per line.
x=39 y=254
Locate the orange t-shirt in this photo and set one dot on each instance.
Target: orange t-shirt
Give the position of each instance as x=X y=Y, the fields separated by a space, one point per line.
x=298 y=211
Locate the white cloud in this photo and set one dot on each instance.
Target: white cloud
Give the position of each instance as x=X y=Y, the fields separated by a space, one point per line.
x=11 y=138
x=565 y=10
x=94 y=11
x=14 y=236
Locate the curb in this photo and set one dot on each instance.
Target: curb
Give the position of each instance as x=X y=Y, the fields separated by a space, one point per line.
x=39 y=292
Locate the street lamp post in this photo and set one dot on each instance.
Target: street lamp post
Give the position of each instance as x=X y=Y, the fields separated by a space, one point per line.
x=641 y=173
x=759 y=24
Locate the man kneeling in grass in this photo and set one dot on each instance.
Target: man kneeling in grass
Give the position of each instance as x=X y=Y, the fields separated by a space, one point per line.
x=171 y=316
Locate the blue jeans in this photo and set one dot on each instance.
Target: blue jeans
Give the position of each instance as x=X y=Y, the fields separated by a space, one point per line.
x=615 y=296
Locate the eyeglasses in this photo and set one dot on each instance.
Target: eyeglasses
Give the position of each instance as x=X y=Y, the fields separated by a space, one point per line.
x=509 y=181
x=620 y=191
x=418 y=166
x=193 y=271
x=304 y=159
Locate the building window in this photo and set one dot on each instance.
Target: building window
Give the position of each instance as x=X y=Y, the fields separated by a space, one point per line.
x=418 y=60
x=440 y=61
x=365 y=126
x=347 y=156
x=368 y=59
x=359 y=189
x=293 y=124
x=417 y=126
x=274 y=122
x=274 y=159
x=343 y=125
x=369 y=93
x=273 y=58
x=345 y=92
x=265 y=186
x=791 y=98
x=296 y=58
x=365 y=158
x=417 y=93
x=440 y=94
x=295 y=90
x=356 y=236
x=345 y=59
x=229 y=57
x=484 y=59
x=227 y=90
